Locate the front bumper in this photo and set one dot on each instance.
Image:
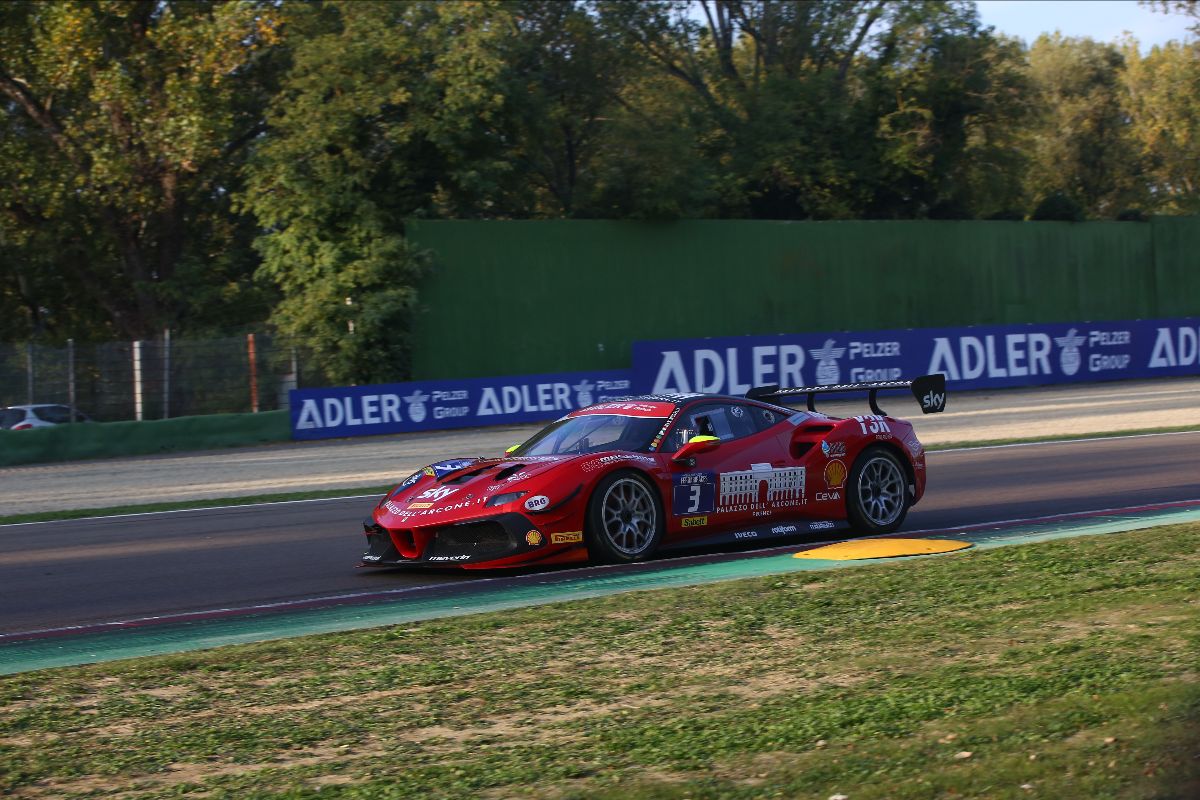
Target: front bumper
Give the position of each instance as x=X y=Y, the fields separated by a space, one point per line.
x=502 y=538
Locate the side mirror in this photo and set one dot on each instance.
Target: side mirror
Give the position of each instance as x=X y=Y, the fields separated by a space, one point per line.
x=509 y=450
x=695 y=446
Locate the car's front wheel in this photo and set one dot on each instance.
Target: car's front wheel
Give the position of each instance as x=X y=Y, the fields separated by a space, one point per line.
x=877 y=492
x=624 y=519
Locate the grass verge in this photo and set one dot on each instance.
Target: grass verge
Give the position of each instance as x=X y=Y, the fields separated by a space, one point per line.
x=183 y=505
x=1060 y=669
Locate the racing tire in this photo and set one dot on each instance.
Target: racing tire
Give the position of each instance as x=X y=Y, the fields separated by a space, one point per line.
x=877 y=498
x=625 y=519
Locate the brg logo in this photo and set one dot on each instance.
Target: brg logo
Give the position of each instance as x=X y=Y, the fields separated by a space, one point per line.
x=1069 y=358
x=828 y=372
x=416 y=405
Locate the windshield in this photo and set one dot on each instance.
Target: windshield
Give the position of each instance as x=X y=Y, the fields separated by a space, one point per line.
x=591 y=434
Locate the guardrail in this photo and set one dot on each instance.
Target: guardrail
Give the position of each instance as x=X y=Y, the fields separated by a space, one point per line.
x=112 y=439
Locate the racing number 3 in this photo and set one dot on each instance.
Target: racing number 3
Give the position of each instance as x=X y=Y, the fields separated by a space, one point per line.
x=694 y=493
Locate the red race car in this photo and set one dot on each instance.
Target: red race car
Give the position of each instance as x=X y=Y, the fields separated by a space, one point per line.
x=619 y=481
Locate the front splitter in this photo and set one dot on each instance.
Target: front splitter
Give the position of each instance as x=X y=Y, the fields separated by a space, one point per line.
x=22 y=652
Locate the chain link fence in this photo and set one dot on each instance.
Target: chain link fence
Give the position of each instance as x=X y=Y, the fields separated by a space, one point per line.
x=157 y=379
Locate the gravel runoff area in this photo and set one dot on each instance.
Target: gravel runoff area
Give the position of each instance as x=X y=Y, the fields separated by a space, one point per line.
x=378 y=460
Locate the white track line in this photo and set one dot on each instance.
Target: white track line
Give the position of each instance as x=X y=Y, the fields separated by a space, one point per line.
x=189 y=510
x=967 y=448
x=384 y=595
x=361 y=496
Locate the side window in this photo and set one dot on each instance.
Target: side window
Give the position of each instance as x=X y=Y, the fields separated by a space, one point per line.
x=55 y=414
x=724 y=420
x=765 y=417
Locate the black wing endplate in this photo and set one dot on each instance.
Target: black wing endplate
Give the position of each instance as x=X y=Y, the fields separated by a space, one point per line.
x=930 y=391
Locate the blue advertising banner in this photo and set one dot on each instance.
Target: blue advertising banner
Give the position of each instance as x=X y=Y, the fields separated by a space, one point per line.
x=977 y=357
x=438 y=405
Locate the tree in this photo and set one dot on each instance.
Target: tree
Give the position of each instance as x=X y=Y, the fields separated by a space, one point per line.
x=1189 y=8
x=384 y=114
x=1082 y=143
x=120 y=124
x=840 y=109
x=951 y=104
x=1162 y=101
x=769 y=87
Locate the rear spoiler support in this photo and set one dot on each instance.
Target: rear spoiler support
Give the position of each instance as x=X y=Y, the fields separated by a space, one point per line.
x=929 y=390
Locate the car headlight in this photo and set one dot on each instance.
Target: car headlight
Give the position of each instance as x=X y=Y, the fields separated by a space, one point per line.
x=501 y=499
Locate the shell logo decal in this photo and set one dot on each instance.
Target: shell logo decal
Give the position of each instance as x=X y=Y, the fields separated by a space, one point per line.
x=835 y=474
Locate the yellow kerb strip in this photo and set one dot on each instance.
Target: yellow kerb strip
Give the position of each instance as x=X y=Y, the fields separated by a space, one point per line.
x=882 y=548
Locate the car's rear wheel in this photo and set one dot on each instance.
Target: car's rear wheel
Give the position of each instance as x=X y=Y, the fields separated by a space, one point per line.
x=624 y=519
x=877 y=493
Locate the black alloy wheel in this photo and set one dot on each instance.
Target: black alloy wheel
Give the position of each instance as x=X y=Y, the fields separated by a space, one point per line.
x=877 y=497
x=624 y=518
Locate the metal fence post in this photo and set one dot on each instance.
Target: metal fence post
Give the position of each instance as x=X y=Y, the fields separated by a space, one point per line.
x=166 y=373
x=29 y=372
x=137 y=380
x=71 y=376
x=253 y=356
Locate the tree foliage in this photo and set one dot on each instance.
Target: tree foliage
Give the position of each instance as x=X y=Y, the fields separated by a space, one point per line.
x=1082 y=144
x=1162 y=98
x=120 y=123
x=157 y=154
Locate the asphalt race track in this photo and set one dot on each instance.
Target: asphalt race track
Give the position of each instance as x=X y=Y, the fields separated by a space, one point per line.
x=60 y=574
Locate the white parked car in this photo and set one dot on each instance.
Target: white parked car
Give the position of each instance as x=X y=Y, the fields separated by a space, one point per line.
x=39 y=415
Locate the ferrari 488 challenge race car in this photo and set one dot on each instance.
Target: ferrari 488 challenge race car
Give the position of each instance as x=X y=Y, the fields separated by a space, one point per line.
x=618 y=481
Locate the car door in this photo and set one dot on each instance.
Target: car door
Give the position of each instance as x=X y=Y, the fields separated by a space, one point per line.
x=747 y=480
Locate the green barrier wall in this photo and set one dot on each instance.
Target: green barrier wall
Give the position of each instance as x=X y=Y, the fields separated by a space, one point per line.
x=513 y=297
x=110 y=439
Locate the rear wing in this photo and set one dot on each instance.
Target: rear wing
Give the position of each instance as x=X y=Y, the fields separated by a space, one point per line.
x=930 y=391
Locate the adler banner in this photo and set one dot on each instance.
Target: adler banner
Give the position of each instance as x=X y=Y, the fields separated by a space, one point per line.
x=976 y=357
x=439 y=405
